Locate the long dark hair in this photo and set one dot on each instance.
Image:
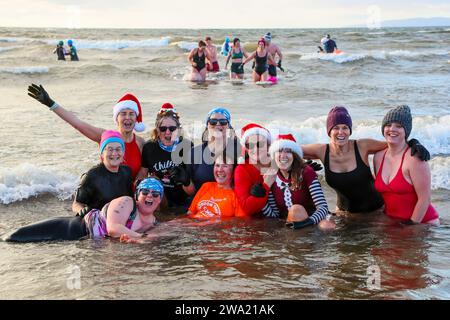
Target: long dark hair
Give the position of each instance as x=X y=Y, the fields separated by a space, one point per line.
x=296 y=172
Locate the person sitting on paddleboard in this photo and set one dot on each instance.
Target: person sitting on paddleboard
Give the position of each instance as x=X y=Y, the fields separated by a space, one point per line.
x=329 y=45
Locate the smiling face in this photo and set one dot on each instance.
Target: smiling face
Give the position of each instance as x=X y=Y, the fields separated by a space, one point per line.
x=126 y=119
x=148 y=201
x=340 y=134
x=394 y=133
x=284 y=159
x=218 y=126
x=223 y=172
x=165 y=135
x=257 y=149
x=112 y=155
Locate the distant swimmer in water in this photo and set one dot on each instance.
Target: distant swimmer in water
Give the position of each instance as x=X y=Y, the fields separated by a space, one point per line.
x=236 y=54
x=72 y=51
x=197 y=58
x=275 y=51
x=225 y=47
x=60 y=51
x=262 y=59
x=125 y=217
x=127 y=114
x=403 y=181
x=329 y=45
x=211 y=63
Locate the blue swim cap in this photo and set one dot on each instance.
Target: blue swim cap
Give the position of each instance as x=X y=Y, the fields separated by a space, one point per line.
x=69 y=42
x=152 y=184
x=227 y=39
x=222 y=111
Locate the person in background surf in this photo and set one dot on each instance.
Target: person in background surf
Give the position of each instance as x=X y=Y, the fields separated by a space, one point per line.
x=329 y=45
x=275 y=51
x=217 y=200
x=212 y=65
x=403 y=180
x=197 y=58
x=60 y=51
x=262 y=59
x=236 y=54
x=107 y=180
x=296 y=194
x=124 y=217
x=218 y=137
x=162 y=157
x=225 y=47
x=127 y=114
x=346 y=163
x=72 y=51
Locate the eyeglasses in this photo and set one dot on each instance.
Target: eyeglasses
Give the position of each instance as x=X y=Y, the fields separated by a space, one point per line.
x=171 y=128
x=214 y=122
x=146 y=192
x=111 y=150
x=251 y=145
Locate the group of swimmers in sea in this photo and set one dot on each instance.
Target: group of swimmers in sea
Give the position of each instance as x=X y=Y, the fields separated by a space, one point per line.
x=259 y=174
x=204 y=59
x=62 y=52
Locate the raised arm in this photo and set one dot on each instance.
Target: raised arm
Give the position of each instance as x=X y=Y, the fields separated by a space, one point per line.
x=314 y=151
x=89 y=131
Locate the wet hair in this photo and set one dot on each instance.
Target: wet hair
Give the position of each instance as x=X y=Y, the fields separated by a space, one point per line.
x=159 y=119
x=296 y=172
x=235 y=40
x=228 y=160
x=207 y=38
x=201 y=43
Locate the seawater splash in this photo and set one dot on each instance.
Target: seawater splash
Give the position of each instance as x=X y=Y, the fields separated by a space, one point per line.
x=117 y=44
x=27 y=180
x=24 y=70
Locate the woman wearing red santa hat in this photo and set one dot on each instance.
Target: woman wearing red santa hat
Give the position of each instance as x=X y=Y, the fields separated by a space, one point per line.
x=296 y=193
x=127 y=114
x=251 y=186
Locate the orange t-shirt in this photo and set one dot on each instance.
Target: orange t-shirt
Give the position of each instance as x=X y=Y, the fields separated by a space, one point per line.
x=213 y=202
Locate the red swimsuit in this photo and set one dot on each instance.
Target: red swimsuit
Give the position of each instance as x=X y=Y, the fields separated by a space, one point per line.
x=399 y=195
x=132 y=156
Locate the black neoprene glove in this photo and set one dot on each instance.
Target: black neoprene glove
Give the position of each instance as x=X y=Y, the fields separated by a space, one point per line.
x=416 y=147
x=300 y=224
x=315 y=165
x=279 y=66
x=408 y=223
x=180 y=175
x=39 y=93
x=258 y=190
x=84 y=211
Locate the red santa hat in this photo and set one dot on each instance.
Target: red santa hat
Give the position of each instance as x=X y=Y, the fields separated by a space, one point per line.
x=285 y=141
x=129 y=101
x=166 y=107
x=253 y=128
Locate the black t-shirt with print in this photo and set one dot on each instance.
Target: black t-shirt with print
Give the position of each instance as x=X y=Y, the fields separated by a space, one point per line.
x=160 y=163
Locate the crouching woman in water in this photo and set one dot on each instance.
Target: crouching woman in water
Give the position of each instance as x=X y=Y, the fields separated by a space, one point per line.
x=403 y=180
x=296 y=193
x=124 y=218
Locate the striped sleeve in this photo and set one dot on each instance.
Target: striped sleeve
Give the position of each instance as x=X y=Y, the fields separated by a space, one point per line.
x=270 y=209
x=316 y=192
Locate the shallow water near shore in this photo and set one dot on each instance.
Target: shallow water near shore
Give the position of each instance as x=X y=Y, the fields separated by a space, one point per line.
x=42 y=159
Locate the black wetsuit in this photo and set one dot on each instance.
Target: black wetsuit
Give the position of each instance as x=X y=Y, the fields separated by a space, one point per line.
x=159 y=162
x=97 y=187
x=355 y=189
x=60 y=52
x=199 y=60
x=260 y=64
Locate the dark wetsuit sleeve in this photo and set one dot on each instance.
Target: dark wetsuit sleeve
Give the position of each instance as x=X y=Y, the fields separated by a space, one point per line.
x=85 y=192
x=145 y=156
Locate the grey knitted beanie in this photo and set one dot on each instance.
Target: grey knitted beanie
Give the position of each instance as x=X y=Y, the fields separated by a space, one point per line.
x=400 y=114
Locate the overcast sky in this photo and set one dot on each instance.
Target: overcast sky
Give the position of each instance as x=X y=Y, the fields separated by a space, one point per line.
x=219 y=14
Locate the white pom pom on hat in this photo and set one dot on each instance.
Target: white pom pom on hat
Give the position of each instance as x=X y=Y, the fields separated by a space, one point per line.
x=285 y=141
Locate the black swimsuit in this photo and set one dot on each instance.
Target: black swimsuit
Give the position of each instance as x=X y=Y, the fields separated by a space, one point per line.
x=355 y=189
x=261 y=64
x=200 y=61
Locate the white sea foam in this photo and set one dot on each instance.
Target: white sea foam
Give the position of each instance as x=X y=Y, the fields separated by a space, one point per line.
x=27 y=180
x=116 y=44
x=24 y=70
x=188 y=46
x=3 y=49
